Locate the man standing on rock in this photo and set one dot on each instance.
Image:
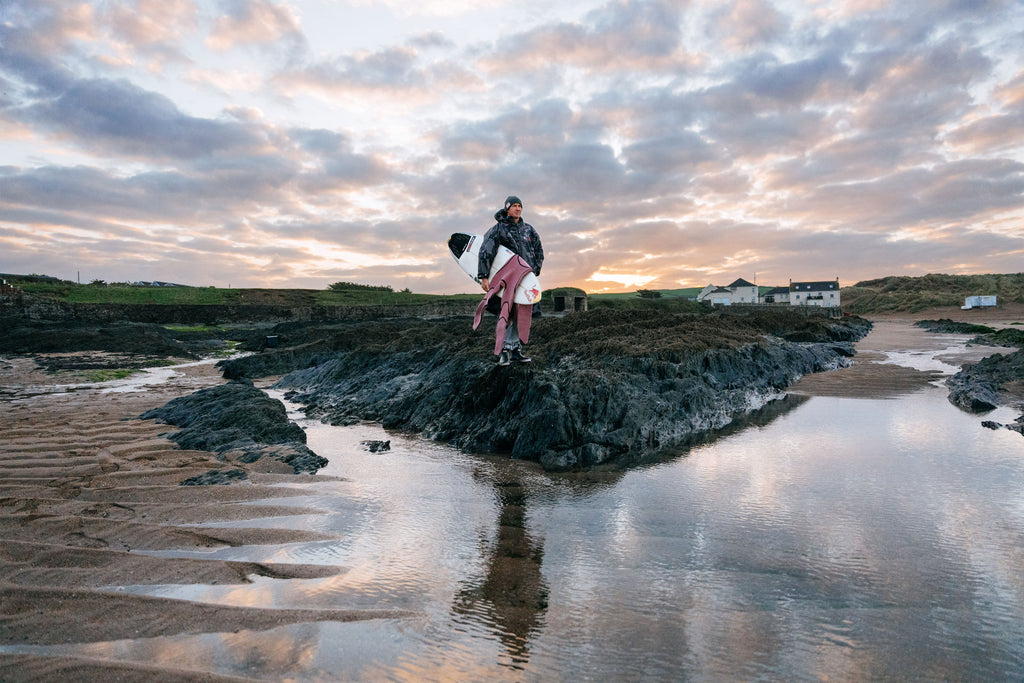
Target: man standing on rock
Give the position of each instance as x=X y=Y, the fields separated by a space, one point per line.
x=513 y=232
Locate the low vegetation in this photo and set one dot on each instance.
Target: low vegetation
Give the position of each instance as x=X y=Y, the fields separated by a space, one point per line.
x=902 y=294
x=894 y=294
x=337 y=294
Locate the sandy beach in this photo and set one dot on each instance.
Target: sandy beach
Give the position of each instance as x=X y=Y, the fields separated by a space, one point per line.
x=85 y=484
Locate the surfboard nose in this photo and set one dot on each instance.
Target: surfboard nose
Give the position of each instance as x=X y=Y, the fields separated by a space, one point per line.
x=458 y=242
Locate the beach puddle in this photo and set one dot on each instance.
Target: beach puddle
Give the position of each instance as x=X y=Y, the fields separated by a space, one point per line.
x=854 y=534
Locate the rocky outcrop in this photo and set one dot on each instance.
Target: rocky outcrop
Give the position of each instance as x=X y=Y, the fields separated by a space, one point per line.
x=241 y=424
x=992 y=381
x=945 y=325
x=36 y=308
x=604 y=386
x=33 y=336
x=988 y=336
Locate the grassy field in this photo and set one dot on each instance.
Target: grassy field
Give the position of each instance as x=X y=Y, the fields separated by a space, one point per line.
x=890 y=294
x=215 y=296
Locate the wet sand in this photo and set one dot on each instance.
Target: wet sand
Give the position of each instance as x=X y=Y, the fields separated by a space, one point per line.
x=873 y=374
x=85 y=485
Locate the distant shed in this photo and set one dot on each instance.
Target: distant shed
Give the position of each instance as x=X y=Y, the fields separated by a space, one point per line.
x=985 y=301
x=565 y=300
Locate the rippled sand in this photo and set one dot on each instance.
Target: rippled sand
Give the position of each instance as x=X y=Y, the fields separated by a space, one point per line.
x=83 y=485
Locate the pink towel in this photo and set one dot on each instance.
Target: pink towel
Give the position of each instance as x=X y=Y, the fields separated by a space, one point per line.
x=508 y=277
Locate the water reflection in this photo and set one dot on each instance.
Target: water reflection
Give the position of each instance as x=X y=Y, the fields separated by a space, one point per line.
x=828 y=537
x=513 y=595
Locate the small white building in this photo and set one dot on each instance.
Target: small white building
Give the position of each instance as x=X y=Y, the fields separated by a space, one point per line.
x=824 y=294
x=979 y=302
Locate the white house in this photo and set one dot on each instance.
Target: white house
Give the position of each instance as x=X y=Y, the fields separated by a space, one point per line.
x=716 y=296
x=739 y=292
x=825 y=294
x=777 y=296
x=743 y=292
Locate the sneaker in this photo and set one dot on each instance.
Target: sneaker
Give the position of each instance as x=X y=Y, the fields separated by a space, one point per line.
x=520 y=357
x=503 y=359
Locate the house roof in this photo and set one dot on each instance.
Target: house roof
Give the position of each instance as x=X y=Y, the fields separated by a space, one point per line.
x=821 y=286
x=778 y=290
x=742 y=283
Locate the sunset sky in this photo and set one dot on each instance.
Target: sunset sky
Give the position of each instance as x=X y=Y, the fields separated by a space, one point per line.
x=655 y=144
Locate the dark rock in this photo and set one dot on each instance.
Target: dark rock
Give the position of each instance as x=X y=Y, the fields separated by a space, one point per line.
x=238 y=419
x=992 y=381
x=988 y=336
x=33 y=336
x=604 y=386
x=945 y=325
x=377 y=446
x=216 y=478
x=989 y=424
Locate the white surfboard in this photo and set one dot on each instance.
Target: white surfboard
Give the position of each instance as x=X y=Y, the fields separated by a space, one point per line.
x=465 y=247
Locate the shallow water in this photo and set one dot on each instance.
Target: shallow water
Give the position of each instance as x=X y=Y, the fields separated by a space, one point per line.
x=847 y=539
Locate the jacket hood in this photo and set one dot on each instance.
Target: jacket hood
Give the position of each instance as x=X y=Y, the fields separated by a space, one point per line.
x=501 y=215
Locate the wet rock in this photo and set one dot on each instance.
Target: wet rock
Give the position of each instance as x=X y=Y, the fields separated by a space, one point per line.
x=35 y=336
x=377 y=446
x=988 y=336
x=945 y=325
x=992 y=381
x=216 y=478
x=240 y=423
x=604 y=386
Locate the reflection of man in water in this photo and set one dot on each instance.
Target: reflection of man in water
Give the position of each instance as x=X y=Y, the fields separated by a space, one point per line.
x=513 y=594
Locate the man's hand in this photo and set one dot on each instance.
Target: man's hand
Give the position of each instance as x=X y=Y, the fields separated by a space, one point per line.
x=485 y=283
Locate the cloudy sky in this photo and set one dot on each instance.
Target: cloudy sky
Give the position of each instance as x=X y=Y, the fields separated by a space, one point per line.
x=655 y=143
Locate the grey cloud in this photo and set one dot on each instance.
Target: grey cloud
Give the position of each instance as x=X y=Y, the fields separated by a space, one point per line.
x=758 y=135
x=394 y=68
x=789 y=84
x=914 y=197
x=150 y=196
x=341 y=165
x=258 y=22
x=628 y=35
x=427 y=41
x=746 y=23
x=866 y=125
x=572 y=173
x=648 y=28
x=1003 y=133
x=670 y=154
x=118 y=115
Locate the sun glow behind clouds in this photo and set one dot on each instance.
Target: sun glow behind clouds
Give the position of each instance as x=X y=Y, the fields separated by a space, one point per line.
x=628 y=280
x=330 y=256
x=285 y=140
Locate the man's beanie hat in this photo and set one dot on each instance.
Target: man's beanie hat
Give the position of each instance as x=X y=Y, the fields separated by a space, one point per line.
x=512 y=199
